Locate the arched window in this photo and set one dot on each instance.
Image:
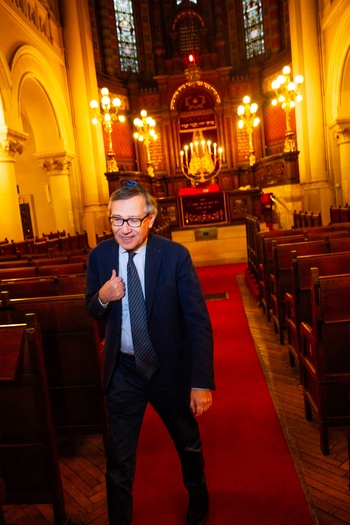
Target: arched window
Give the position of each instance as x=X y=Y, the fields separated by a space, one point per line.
x=125 y=24
x=178 y=2
x=253 y=28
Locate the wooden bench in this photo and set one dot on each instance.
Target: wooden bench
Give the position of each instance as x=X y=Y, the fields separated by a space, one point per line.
x=298 y=301
x=72 y=354
x=303 y=219
x=69 y=284
x=339 y=214
x=339 y=245
x=325 y=354
x=28 y=448
x=281 y=276
x=266 y=266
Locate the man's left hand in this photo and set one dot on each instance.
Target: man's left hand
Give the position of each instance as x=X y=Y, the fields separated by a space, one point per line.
x=201 y=401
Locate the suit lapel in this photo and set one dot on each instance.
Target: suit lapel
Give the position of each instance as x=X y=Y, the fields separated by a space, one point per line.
x=152 y=267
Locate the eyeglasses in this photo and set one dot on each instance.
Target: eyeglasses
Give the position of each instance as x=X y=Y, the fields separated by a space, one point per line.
x=133 y=222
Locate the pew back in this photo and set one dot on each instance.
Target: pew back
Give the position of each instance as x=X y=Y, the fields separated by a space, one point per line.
x=298 y=302
x=27 y=439
x=71 y=346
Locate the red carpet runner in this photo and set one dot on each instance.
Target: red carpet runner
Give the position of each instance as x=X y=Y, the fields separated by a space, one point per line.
x=250 y=472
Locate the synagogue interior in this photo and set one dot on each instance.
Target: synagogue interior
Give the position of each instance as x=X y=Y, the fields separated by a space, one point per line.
x=235 y=116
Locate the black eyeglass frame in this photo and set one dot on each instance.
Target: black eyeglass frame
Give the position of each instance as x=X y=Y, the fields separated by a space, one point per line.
x=112 y=218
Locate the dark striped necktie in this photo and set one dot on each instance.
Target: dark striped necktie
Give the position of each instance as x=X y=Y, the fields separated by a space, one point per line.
x=145 y=356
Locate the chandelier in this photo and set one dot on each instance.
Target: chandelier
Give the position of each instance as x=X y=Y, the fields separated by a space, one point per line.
x=146 y=133
x=248 y=121
x=201 y=160
x=287 y=94
x=107 y=111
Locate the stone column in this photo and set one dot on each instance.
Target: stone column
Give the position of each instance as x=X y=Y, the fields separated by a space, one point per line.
x=309 y=112
x=90 y=152
x=11 y=143
x=343 y=137
x=57 y=168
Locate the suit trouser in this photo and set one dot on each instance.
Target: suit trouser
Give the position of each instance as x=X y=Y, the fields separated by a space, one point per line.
x=127 y=399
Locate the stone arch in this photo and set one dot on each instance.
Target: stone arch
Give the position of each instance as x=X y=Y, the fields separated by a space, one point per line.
x=40 y=111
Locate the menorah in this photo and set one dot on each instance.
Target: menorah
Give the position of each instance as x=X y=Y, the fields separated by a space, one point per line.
x=201 y=160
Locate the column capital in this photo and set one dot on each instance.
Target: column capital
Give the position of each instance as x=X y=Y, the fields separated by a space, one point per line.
x=55 y=163
x=11 y=142
x=341 y=130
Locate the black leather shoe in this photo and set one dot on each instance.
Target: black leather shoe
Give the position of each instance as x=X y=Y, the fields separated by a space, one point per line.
x=198 y=509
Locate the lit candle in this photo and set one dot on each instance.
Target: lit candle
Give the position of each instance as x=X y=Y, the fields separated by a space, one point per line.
x=203 y=143
x=182 y=156
x=186 y=152
x=196 y=145
x=214 y=148
x=209 y=146
x=191 y=146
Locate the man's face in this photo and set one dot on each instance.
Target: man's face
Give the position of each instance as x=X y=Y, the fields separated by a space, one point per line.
x=131 y=238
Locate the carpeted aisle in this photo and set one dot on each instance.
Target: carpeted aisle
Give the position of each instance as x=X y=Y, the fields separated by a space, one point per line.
x=250 y=472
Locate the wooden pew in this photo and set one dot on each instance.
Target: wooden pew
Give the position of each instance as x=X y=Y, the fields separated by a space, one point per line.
x=340 y=214
x=26 y=271
x=304 y=219
x=69 y=284
x=325 y=354
x=43 y=270
x=339 y=245
x=30 y=287
x=266 y=266
x=281 y=277
x=28 y=449
x=314 y=236
x=252 y=225
x=71 y=347
x=62 y=269
x=255 y=236
x=298 y=301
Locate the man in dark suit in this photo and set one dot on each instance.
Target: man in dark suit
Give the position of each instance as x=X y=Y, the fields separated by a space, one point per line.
x=179 y=387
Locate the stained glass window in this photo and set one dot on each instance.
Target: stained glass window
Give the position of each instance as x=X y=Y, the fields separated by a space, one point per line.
x=125 y=24
x=253 y=28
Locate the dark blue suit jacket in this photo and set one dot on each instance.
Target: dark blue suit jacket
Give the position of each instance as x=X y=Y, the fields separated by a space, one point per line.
x=179 y=324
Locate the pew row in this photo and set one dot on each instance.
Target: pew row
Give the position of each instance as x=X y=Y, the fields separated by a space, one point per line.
x=69 y=284
x=72 y=355
x=325 y=354
x=43 y=270
x=281 y=278
x=266 y=267
x=28 y=448
x=298 y=301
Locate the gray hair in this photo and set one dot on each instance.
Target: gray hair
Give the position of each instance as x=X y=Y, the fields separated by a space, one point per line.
x=131 y=188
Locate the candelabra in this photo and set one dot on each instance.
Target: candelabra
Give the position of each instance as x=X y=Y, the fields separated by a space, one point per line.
x=248 y=121
x=107 y=112
x=200 y=162
x=145 y=133
x=287 y=93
